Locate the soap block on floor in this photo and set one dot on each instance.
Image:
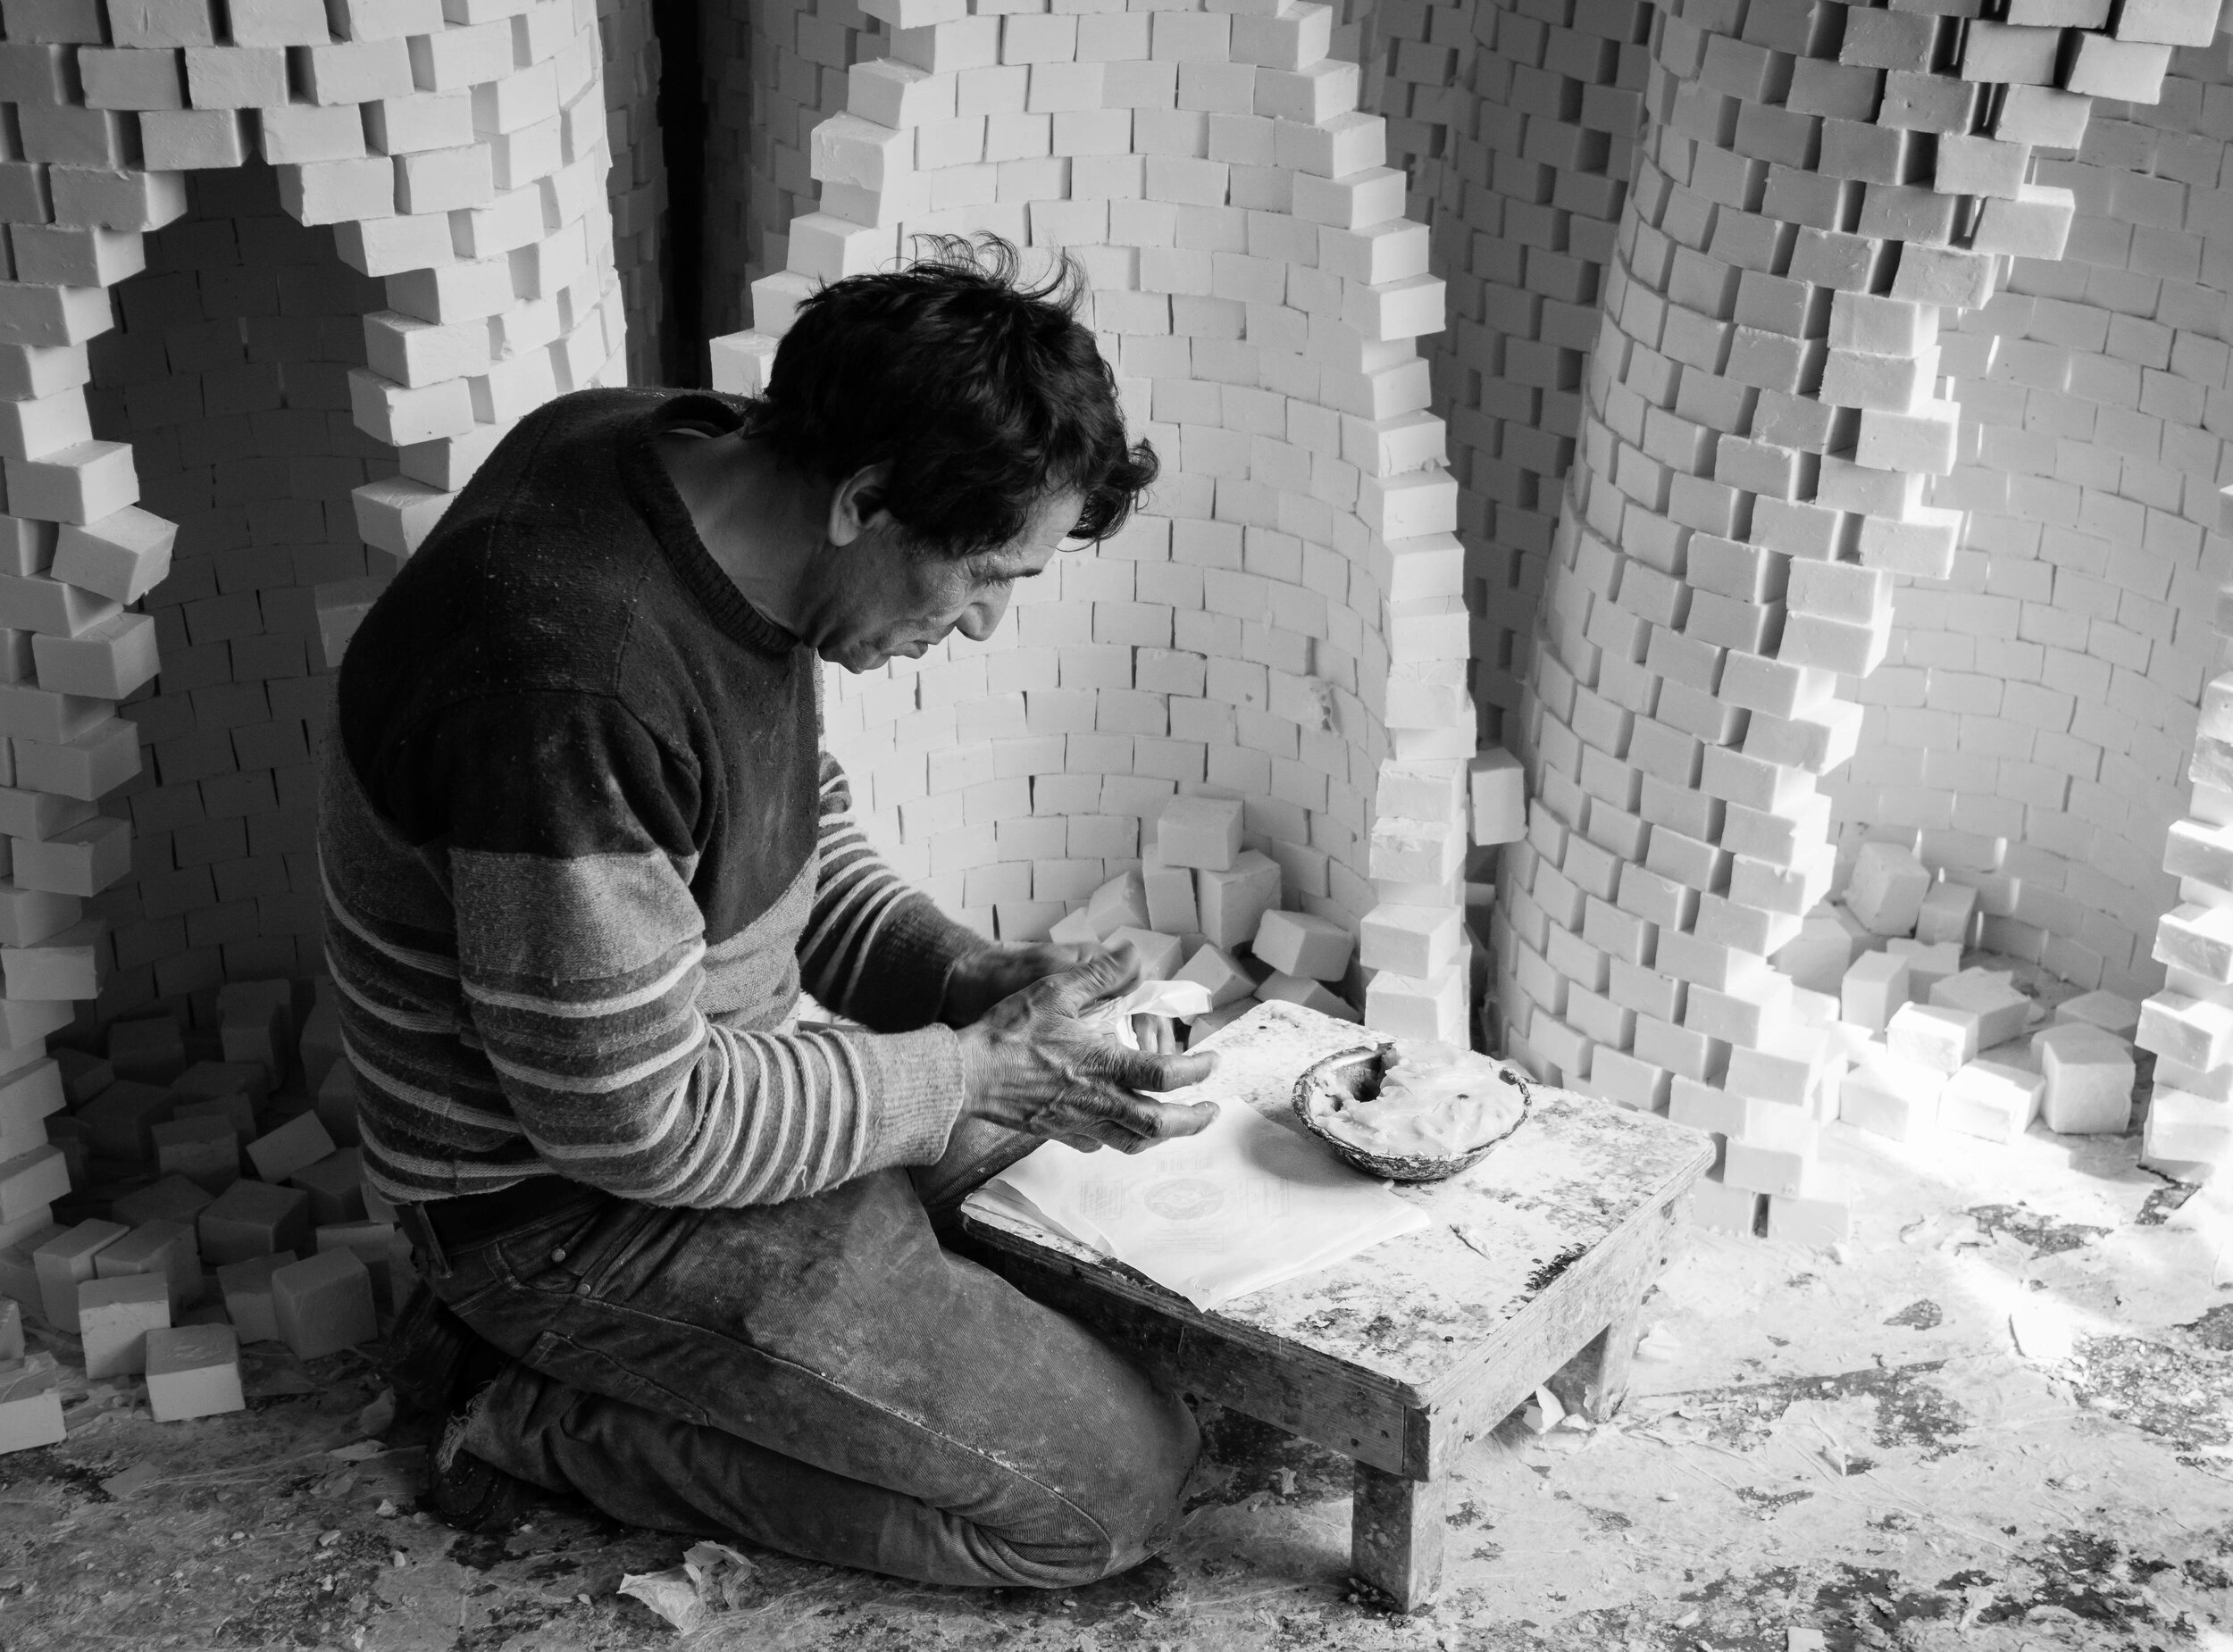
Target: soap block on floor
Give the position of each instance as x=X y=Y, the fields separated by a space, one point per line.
x=254 y=1219
x=374 y=1245
x=172 y=1198
x=164 y=1249
x=1312 y=995
x=207 y=1079
x=1938 y=1036
x=1724 y=1209
x=1120 y=904
x=1887 y=889
x=1203 y=833
x=2003 y=1012
x=1170 y=892
x=256 y=1021
x=1948 y=913
x=300 y=1142
x=1074 y=930
x=1777 y=1153
x=1214 y=967
x=34 y=1418
x=114 y=1316
x=120 y=1121
x=19 y=1274
x=1874 y=987
x=1928 y=962
x=2090 y=1075
x=150 y=1050
x=1160 y=955
x=1809 y=1222
x=66 y=1262
x=1990 y=1100
x=237 y=1110
x=324 y=1303
x=1890 y=1097
x=336 y=1186
x=193 y=1371
x=1301 y=943
x=2106 y=1010
x=246 y=1290
x=205 y=1150
x=1232 y=902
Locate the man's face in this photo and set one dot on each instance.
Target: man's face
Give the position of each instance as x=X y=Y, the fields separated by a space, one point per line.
x=881 y=599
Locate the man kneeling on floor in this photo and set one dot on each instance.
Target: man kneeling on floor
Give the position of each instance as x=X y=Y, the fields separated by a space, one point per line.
x=582 y=849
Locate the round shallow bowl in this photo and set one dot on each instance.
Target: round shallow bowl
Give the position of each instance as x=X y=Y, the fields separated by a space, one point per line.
x=1329 y=1085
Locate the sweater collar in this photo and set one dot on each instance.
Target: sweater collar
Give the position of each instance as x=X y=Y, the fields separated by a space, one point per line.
x=677 y=534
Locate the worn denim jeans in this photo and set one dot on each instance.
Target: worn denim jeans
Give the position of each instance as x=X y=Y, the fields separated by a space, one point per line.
x=822 y=1378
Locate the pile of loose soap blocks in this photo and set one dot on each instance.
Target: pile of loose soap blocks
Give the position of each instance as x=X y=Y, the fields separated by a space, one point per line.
x=1204 y=908
x=219 y=1201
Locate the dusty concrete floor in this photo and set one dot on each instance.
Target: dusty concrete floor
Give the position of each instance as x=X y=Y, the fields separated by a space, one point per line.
x=1846 y=1445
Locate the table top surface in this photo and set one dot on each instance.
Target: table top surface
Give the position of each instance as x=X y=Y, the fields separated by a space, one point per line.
x=1410 y=1310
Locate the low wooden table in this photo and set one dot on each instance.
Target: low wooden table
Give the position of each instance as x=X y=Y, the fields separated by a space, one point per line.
x=1534 y=1270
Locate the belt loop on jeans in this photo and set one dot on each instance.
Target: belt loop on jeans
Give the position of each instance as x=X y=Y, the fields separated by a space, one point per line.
x=422 y=1237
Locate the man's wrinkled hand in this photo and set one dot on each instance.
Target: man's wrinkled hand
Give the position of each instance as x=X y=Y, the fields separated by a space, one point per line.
x=1034 y=1066
x=979 y=979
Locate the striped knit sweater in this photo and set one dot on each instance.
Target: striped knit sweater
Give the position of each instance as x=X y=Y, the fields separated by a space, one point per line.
x=581 y=847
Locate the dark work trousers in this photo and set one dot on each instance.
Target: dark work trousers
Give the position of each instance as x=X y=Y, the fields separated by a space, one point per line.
x=820 y=1377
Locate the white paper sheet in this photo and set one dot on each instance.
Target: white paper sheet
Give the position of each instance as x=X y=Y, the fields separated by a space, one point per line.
x=1246 y=1203
x=1183 y=999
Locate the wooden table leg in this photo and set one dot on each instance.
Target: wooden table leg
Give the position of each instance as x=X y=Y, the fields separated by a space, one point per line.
x=1595 y=1381
x=1396 y=1536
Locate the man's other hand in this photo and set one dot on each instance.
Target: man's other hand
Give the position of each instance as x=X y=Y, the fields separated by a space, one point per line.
x=979 y=979
x=1033 y=1067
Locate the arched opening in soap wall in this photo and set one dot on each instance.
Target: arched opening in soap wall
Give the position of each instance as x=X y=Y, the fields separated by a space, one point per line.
x=228 y=371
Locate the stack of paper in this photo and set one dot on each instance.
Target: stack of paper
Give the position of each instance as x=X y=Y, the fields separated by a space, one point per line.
x=1244 y=1204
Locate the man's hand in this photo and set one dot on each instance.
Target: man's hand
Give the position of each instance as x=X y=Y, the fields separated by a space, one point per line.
x=1033 y=1067
x=979 y=979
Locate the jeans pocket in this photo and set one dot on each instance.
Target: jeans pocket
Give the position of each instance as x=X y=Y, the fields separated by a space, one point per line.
x=592 y=1370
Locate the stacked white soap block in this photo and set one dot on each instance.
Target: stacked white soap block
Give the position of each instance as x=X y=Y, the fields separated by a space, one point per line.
x=1285 y=624
x=1517 y=129
x=772 y=71
x=1764 y=409
x=2189 y=1024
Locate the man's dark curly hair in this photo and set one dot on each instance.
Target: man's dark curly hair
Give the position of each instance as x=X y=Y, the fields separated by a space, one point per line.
x=985 y=394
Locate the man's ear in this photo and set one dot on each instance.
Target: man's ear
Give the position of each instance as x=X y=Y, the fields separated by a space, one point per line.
x=857 y=502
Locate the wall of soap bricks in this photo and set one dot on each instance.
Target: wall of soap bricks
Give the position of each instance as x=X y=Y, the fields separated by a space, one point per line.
x=1817 y=184
x=2189 y=1129
x=228 y=373
x=636 y=189
x=2042 y=703
x=1532 y=110
x=1289 y=614
x=774 y=70
x=278 y=411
